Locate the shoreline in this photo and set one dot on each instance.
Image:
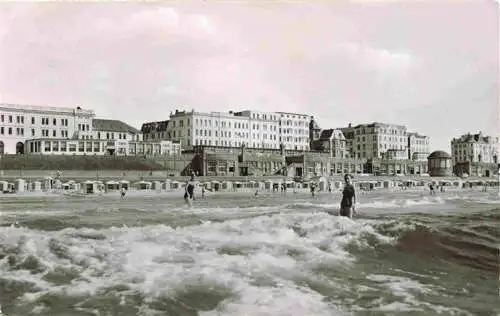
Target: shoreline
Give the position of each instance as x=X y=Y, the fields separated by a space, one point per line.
x=133 y=176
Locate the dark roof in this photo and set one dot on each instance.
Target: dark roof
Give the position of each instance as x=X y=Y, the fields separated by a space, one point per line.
x=439 y=154
x=473 y=138
x=113 y=126
x=160 y=126
x=326 y=134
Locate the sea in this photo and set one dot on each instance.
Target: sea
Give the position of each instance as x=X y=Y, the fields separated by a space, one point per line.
x=235 y=254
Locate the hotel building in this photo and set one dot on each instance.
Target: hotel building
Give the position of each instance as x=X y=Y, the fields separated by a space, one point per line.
x=74 y=131
x=377 y=141
x=418 y=147
x=252 y=129
x=475 y=155
x=474 y=148
x=19 y=123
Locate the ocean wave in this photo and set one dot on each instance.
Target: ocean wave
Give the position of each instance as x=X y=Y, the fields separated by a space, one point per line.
x=248 y=265
x=286 y=259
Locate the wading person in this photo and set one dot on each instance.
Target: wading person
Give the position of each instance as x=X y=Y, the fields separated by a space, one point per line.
x=347 y=205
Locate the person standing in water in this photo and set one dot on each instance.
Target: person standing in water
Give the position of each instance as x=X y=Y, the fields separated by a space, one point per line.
x=347 y=205
x=189 y=194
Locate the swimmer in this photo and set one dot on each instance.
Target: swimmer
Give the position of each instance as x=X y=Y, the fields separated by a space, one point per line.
x=189 y=193
x=347 y=205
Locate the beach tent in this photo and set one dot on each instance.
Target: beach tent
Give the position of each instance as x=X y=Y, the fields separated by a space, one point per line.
x=268 y=184
x=112 y=186
x=20 y=185
x=227 y=185
x=36 y=186
x=166 y=184
x=216 y=186
x=174 y=185
x=156 y=185
x=90 y=187
x=4 y=186
x=143 y=185
x=124 y=184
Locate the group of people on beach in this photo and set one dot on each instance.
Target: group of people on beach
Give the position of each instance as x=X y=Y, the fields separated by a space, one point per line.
x=347 y=204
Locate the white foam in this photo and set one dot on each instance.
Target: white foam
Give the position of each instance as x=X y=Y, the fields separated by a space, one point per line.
x=158 y=260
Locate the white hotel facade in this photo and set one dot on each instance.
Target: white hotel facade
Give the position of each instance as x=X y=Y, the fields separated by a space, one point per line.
x=385 y=141
x=27 y=129
x=253 y=129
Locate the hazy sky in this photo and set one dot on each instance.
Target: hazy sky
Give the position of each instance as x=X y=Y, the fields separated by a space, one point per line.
x=430 y=65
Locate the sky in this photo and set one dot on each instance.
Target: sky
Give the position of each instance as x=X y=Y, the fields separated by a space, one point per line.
x=430 y=65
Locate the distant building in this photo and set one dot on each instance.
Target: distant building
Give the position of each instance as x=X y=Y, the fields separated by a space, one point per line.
x=418 y=147
x=73 y=131
x=153 y=131
x=475 y=148
x=332 y=141
x=377 y=140
x=385 y=141
x=253 y=129
x=475 y=155
x=19 y=123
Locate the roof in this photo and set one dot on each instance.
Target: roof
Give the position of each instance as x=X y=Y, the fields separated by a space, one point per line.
x=113 y=126
x=160 y=126
x=473 y=138
x=326 y=134
x=439 y=154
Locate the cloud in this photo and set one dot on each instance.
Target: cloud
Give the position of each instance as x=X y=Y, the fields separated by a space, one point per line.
x=340 y=61
x=171 y=21
x=383 y=60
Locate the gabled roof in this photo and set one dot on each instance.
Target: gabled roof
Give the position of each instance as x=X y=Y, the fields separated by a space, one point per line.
x=113 y=126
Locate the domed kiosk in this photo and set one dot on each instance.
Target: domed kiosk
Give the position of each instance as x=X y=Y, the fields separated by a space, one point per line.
x=439 y=164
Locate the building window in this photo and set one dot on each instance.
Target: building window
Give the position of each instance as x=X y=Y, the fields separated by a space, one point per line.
x=1 y=130
x=32 y=120
x=10 y=118
x=10 y=130
x=2 y=118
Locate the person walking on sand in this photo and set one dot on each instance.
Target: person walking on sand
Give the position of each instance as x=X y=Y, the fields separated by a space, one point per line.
x=348 y=203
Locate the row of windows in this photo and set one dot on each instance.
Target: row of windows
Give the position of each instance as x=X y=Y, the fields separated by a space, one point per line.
x=10 y=130
x=46 y=121
x=389 y=131
x=382 y=138
x=20 y=120
x=10 y=119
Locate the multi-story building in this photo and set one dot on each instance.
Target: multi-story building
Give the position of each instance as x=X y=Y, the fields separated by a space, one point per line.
x=475 y=155
x=153 y=131
x=117 y=134
x=474 y=148
x=377 y=140
x=253 y=129
x=19 y=123
x=418 y=147
x=332 y=141
x=55 y=130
